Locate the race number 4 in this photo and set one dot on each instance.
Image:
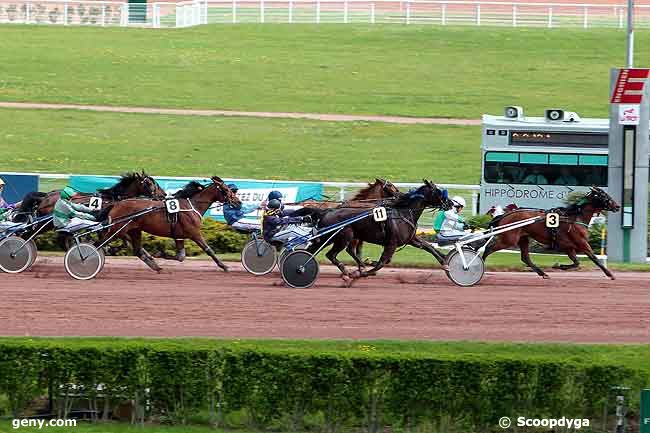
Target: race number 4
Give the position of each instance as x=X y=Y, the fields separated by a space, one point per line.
x=552 y=220
x=173 y=206
x=95 y=203
x=379 y=214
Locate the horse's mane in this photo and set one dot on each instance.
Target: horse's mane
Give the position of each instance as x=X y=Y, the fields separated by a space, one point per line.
x=120 y=187
x=404 y=199
x=189 y=190
x=364 y=193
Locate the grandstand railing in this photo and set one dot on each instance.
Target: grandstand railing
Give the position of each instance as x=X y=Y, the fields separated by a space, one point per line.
x=197 y=12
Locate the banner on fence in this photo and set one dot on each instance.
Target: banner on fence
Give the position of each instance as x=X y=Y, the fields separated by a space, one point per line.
x=250 y=191
x=17 y=185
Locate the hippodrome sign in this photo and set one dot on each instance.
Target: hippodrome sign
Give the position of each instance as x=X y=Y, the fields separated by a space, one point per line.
x=629 y=86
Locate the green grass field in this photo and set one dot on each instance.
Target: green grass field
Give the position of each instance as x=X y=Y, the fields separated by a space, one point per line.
x=107 y=143
x=382 y=69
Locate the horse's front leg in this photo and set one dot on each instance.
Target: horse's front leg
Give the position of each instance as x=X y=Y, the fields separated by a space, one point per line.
x=386 y=256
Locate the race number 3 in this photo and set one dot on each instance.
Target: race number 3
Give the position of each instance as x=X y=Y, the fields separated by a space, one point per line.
x=552 y=220
x=379 y=214
x=95 y=203
x=173 y=206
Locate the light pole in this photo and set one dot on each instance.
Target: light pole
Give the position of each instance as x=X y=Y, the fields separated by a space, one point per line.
x=630 y=33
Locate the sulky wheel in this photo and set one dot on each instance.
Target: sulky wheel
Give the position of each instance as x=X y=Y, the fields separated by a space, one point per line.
x=259 y=257
x=299 y=269
x=15 y=255
x=457 y=272
x=83 y=261
x=32 y=246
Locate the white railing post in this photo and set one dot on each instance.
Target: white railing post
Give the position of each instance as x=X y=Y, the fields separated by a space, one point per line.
x=444 y=14
x=28 y=13
x=478 y=14
x=317 y=11
x=205 y=12
x=234 y=11
x=262 y=11
x=408 y=12
x=345 y=11
x=124 y=17
x=178 y=16
x=342 y=193
x=585 y=24
x=290 y=11
x=156 y=15
x=103 y=14
x=372 y=13
x=474 y=202
x=620 y=18
x=65 y=14
x=514 y=15
x=550 y=17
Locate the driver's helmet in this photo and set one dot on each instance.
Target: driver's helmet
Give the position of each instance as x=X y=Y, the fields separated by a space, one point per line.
x=458 y=201
x=67 y=193
x=275 y=195
x=274 y=204
x=233 y=187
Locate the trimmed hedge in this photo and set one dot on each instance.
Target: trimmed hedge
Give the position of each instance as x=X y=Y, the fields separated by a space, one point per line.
x=302 y=389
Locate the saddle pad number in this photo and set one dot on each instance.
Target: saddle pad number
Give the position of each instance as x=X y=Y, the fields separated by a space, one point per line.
x=95 y=203
x=552 y=220
x=379 y=214
x=173 y=206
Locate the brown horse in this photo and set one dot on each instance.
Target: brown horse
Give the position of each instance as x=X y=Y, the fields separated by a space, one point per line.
x=194 y=200
x=571 y=237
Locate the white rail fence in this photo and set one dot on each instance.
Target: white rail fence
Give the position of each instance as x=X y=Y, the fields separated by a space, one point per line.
x=197 y=12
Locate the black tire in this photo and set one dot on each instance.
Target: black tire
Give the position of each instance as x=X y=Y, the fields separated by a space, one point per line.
x=461 y=276
x=299 y=269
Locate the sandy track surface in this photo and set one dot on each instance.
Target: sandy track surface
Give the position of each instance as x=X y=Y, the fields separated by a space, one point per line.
x=194 y=299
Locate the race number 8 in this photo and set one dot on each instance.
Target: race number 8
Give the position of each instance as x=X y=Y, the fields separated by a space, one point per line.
x=95 y=203
x=173 y=206
x=552 y=220
x=379 y=214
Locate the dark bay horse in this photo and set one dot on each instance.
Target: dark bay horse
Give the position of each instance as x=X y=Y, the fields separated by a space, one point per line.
x=571 y=237
x=400 y=229
x=194 y=200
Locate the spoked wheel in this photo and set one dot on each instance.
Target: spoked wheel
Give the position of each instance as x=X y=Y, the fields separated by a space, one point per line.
x=84 y=261
x=285 y=252
x=299 y=269
x=32 y=245
x=15 y=255
x=457 y=272
x=259 y=257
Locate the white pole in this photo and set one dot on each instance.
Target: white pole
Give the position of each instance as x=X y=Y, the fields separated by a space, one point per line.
x=514 y=15
x=550 y=17
x=444 y=14
x=630 y=33
x=585 y=12
x=234 y=11
x=408 y=12
x=28 y=13
x=317 y=11
x=103 y=15
x=262 y=11
x=345 y=11
x=290 y=11
x=372 y=13
x=478 y=14
x=65 y=14
x=205 y=12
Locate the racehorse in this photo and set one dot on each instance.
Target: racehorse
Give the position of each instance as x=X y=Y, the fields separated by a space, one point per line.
x=400 y=229
x=571 y=237
x=130 y=185
x=194 y=200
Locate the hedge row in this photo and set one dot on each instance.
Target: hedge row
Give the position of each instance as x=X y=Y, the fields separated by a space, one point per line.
x=219 y=236
x=302 y=389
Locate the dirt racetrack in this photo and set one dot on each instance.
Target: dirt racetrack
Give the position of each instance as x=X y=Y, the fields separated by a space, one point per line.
x=194 y=299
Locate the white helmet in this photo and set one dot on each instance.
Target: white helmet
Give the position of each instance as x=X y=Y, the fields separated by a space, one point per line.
x=458 y=201
x=2 y=182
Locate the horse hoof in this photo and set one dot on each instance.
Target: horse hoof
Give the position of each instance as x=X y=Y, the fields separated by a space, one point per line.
x=278 y=283
x=445 y=268
x=546 y=277
x=355 y=274
x=612 y=277
x=225 y=268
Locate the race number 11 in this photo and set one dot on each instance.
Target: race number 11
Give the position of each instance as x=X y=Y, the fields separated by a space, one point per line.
x=95 y=203
x=173 y=206
x=379 y=214
x=552 y=220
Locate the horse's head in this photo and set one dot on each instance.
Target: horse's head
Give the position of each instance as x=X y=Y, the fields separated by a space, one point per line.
x=600 y=200
x=149 y=187
x=387 y=187
x=435 y=196
x=225 y=194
